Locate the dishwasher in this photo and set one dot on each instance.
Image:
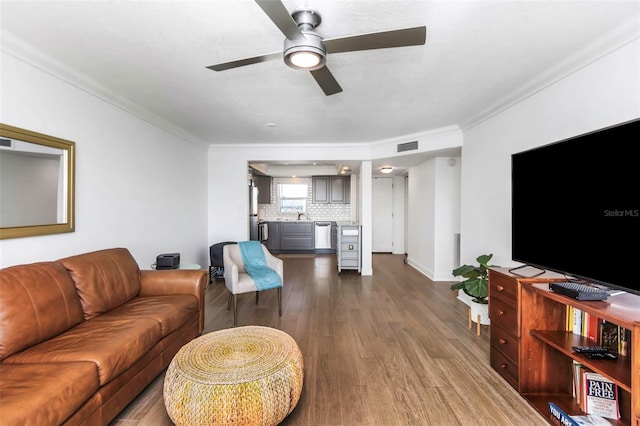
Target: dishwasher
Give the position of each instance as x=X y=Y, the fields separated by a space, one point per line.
x=323 y=235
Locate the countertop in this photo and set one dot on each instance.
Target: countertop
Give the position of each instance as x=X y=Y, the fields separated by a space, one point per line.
x=289 y=220
x=304 y=220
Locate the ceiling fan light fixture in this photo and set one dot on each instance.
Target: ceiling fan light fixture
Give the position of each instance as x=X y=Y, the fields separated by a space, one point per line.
x=386 y=169
x=305 y=50
x=304 y=59
x=308 y=54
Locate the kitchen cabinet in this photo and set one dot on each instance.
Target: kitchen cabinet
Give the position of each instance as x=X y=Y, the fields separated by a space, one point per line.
x=264 y=188
x=290 y=237
x=297 y=236
x=320 y=189
x=331 y=189
x=340 y=189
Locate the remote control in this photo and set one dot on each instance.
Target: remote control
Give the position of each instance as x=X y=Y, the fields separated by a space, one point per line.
x=590 y=349
x=600 y=355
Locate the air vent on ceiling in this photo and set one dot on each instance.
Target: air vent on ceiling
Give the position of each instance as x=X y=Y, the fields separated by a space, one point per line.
x=5 y=143
x=407 y=146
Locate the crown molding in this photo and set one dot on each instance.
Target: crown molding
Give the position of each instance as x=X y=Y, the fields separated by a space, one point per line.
x=626 y=33
x=19 y=49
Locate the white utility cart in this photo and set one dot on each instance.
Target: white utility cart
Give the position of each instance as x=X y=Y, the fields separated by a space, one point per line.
x=349 y=246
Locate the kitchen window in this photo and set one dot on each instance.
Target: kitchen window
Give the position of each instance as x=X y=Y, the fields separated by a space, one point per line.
x=292 y=197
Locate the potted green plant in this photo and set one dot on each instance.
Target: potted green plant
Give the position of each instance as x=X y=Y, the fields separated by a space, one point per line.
x=475 y=288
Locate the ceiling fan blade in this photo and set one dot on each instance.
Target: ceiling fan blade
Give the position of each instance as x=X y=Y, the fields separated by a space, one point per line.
x=380 y=40
x=327 y=81
x=280 y=16
x=246 y=61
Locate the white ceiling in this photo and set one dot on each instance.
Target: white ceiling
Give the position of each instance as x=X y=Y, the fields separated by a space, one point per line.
x=154 y=54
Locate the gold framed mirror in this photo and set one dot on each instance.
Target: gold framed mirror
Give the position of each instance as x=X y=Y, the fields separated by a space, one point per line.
x=37 y=183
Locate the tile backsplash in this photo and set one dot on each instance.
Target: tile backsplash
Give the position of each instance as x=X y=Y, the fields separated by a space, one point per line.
x=333 y=212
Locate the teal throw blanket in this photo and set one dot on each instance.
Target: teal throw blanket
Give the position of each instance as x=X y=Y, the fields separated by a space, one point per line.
x=256 y=265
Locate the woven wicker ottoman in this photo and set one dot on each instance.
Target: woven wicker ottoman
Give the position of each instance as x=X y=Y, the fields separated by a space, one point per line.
x=243 y=376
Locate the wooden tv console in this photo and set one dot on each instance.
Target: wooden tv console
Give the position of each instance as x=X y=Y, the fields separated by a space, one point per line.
x=530 y=346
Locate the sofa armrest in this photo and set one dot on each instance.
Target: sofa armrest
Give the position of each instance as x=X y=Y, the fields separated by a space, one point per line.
x=173 y=281
x=176 y=281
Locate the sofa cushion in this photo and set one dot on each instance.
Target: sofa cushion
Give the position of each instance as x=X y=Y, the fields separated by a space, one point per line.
x=45 y=394
x=38 y=301
x=105 y=279
x=171 y=312
x=111 y=342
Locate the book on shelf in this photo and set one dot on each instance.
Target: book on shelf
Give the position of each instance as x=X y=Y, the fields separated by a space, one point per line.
x=592 y=325
x=580 y=420
x=568 y=325
x=600 y=396
x=579 y=371
x=591 y=420
x=598 y=331
x=577 y=322
x=559 y=414
x=624 y=344
x=609 y=333
x=594 y=393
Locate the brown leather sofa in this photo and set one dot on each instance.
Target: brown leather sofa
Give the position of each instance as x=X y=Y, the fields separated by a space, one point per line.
x=81 y=337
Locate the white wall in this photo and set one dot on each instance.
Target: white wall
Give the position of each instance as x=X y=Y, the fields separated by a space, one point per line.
x=600 y=94
x=399 y=215
x=228 y=197
x=421 y=217
x=366 y=217
x=433 y=217
x=137 y=186
x=447 y=216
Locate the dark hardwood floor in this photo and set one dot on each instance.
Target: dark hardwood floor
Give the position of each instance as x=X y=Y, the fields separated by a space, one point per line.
x=390 y=349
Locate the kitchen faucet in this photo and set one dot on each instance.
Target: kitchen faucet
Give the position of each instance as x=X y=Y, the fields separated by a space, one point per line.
x=300 y=215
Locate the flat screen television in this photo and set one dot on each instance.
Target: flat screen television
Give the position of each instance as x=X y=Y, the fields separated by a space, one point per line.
x=575 y=207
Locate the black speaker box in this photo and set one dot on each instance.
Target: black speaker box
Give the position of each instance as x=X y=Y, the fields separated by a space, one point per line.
x=168 y=261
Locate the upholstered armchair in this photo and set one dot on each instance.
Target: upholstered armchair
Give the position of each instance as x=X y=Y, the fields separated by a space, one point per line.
x=238 y=281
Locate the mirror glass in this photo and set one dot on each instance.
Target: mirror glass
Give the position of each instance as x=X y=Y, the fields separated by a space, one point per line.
x=36 y=183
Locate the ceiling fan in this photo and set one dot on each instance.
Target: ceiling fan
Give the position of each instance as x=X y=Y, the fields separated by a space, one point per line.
x=306 y=50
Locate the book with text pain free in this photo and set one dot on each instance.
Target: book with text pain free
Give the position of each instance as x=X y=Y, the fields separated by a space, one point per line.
x=600 y=396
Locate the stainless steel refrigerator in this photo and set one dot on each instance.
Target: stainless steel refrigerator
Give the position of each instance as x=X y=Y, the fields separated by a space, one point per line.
x=253 y=213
